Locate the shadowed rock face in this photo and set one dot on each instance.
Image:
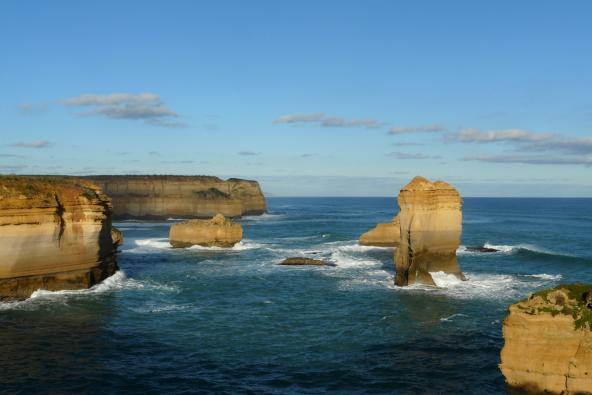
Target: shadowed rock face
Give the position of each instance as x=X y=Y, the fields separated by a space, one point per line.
x=548 y=342
x=216 y=232
x=160 y=197
x=430 y=227
x=383 y=235
x=55 y=233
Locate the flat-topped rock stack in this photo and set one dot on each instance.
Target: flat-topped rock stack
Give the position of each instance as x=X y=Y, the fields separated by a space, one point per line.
x=548 y=342
x=161 y=197
x=216 y=232
x=383 y=235
x=430 y=219
x=55 y=233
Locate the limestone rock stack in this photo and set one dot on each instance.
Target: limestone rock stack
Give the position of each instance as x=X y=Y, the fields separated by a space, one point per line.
x=383 y=235
x=216 y=232
x=430 y=219
x=548 y=342
x=55 y=233
x=181 y=196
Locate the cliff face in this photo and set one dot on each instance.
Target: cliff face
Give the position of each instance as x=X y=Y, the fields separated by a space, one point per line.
x=215 y=232
x=548 y=342
x=430 y=226
x=181 y=196
x=383 y=235
x=55 y=233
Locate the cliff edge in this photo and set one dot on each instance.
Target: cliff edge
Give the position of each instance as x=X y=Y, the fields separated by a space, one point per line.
x=55 y=233
x=548 y=342
x=161 y=197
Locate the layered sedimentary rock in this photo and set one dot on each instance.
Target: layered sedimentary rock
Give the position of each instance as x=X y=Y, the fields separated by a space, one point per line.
x=181 y=196
x=216 y=232
x=430 y=219
x=383 y=235
x=55 y=233
x=548 y=342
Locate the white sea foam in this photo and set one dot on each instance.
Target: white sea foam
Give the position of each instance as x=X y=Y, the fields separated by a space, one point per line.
x=240 y=246
x=155 y=243
x=163 y=244
x=262 y=217
x=361 y=248
x=449 y=318
x=545 y=276
x=118 y=281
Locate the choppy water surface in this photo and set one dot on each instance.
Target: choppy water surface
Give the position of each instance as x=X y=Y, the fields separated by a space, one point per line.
x=214 y=320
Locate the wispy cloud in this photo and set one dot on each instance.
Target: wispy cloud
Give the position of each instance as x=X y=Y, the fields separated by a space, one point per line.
x=328 y=121
x=430 y=128
x=30 y=108
x=473 y=135
x=409 y=155
x=249 y=153
x=143 y=106
x=569 y=145
x=32 y=144
x=533 y=159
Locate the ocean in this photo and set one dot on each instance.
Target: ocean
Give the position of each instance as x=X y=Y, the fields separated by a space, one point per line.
x=209 y=320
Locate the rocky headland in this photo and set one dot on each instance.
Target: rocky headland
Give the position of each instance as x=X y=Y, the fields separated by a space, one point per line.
x=383 y=235
x=216 y=232
x=430 y=216
x=161 y=197
x=55 y=233
x=548 y=342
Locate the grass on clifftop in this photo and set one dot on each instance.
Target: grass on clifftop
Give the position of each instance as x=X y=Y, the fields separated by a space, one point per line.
x=581 y=313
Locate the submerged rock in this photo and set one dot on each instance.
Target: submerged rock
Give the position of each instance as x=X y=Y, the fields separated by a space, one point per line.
x=383 y=235
x=216 y=232
x=300 y=261
x=481 y=249
x=55 y=234
x=548 y=342
x=430 y=227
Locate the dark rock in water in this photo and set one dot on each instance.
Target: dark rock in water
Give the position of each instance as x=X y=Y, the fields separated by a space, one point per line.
x=298 y=261
x=481 y=249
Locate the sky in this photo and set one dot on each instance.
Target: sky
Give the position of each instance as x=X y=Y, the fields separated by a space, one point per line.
x=311 y=98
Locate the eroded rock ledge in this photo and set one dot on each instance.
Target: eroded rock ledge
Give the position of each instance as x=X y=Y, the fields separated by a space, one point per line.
x=55 y=233
x=158 y=197
x=548 y=341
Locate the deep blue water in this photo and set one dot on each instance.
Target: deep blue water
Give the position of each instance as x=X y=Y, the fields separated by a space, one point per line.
x=233 y=321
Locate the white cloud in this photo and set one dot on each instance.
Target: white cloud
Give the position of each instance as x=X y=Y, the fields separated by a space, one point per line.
x=32 y=144
x=143 y=106
x=534 y=159
x=473 y=135
x=328 y=121
x=408 y=155
x=430 y=128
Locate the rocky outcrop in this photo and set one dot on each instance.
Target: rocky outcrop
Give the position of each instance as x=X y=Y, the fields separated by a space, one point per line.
x=548 y=342
x=55 y=233
x=383 y=235
x=158 y=197
x=216 y=232
x=298 y=261
x=430 y=219
x=116 y=237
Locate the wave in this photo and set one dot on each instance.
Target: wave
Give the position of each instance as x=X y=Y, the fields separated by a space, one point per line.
x=117 y=282
x=240 y=246
x=545 y=276
x=262 y=217
x=162 y=243
x=512 y=249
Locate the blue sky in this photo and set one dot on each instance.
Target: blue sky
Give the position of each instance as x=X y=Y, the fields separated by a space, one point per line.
x=309 y=97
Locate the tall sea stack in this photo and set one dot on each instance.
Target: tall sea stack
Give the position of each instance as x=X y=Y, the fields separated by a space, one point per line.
x=161 y=197
x=55 y=233
x=430 y=220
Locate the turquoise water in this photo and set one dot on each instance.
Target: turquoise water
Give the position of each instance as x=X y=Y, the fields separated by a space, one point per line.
x=233 y=321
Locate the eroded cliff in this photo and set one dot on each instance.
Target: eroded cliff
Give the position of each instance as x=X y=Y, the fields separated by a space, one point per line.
x=430 y=220
x=55 y=233
x=383 y=235
x=181 y=196
x=548 y=342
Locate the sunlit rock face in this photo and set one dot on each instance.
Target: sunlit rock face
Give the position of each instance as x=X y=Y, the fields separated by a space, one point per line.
x=383 y=235
x=161 y=197
x=548 y=342
x=55 y=233
x=216 y=232
x=430 y=219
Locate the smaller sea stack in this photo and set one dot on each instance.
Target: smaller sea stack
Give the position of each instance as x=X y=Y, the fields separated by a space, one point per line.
x=216 y=232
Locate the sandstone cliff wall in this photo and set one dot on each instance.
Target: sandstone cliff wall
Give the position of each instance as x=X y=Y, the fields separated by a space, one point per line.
x=181 y=196
x=548 y=343
x=55 y=233
x=430 y=219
